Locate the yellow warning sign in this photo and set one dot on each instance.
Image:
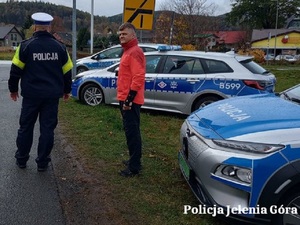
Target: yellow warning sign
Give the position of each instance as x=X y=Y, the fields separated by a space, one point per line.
x=140 y=13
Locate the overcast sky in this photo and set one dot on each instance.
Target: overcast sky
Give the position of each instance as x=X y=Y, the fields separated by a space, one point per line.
x=113 y=7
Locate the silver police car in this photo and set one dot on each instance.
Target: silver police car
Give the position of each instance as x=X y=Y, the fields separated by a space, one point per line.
x=241 y=158
x=181 y=81
x=112 y=55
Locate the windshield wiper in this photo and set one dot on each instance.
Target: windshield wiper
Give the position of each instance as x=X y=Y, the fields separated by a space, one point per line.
x=286 y=96
x=295 y=100
x=291 y=99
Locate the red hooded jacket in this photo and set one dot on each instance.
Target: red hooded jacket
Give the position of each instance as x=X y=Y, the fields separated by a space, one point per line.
x=131 y=75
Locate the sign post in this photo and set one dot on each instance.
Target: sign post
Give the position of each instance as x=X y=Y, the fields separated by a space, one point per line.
x=140 y=13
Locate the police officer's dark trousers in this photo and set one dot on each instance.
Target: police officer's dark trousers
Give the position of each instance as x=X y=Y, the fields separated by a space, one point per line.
x=131 y=124
x=46 y=110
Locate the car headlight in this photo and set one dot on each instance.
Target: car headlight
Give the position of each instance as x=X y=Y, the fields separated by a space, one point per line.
x=235 y=173
x=248 y=146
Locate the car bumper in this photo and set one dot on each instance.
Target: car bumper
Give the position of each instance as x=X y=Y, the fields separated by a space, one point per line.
x=206 y=196
x=74 y=90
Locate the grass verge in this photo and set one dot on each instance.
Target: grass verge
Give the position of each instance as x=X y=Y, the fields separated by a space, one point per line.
x=160 y=193
x=6 y=55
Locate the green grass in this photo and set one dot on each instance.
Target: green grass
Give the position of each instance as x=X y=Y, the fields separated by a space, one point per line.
x=159 y=194
x=6 y=55
x=286 y=75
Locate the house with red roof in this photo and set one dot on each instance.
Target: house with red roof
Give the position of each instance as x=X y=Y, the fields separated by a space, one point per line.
x=226 y=39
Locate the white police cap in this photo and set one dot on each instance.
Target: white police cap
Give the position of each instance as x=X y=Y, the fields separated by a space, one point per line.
x=41 y=18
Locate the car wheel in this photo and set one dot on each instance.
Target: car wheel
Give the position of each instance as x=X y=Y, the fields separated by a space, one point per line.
x=290 y=204
x=81 y=69
x=92 y=95
x=205 y=101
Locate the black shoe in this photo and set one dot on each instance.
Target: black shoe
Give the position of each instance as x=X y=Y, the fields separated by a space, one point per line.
x=21 y=165
x=42 y=168
x=128 y=173
x=125 y=162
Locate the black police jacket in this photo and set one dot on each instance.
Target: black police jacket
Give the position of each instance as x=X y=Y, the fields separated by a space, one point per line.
x=44 y=67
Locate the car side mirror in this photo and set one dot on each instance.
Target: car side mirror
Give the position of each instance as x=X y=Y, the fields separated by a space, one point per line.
x=117 y=71
x=95 y=57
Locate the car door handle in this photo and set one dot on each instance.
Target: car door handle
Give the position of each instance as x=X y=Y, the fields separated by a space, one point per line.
x=193 y=80
x=149 y=79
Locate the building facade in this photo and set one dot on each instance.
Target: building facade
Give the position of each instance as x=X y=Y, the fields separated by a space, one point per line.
x=10 y=36
x=277 y=41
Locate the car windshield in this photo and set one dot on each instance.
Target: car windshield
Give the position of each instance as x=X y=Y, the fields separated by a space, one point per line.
x=254 y=67
x=292 y=94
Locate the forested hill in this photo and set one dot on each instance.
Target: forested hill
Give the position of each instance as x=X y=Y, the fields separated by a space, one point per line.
x=18 y=12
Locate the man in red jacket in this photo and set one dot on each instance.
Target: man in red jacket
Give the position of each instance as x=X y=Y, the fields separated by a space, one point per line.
x=130 y=93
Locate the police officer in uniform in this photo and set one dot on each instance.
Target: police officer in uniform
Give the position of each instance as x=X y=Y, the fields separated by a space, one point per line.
x=43 y=67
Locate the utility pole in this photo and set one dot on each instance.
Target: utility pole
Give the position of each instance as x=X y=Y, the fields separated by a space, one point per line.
x=171 y=29
x=276 y=26
x=92 y=26
x=74 y=34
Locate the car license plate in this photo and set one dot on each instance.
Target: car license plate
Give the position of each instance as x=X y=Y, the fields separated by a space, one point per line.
x=184 y=166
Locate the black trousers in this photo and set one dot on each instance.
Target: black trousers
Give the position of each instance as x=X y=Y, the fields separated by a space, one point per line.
x=131 y=124
x=47 y=111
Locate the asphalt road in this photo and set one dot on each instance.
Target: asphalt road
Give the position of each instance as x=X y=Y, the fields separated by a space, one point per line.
x=27 y=197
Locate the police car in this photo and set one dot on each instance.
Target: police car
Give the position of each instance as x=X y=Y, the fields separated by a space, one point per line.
x=241 y=158
x=112 y=55
x=181 y=81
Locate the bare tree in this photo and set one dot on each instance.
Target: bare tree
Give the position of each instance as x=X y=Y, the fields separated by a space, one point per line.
x=193 y=7
x=194 y=17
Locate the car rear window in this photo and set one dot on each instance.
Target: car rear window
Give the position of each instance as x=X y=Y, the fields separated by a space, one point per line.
x=253 y=67
x=215 y=66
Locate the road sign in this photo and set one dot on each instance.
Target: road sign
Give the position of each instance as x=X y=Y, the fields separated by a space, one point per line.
x=139 y=13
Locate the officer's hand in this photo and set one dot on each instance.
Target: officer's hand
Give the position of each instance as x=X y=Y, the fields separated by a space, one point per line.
x=14 y=96
x=66 y=97
x=127 y=106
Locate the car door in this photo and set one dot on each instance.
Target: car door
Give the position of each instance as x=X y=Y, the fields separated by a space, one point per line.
x=150 y=77
x=178 y=82
x=152 y=62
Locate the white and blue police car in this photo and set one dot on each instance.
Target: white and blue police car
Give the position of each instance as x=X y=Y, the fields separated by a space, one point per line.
x=241 y=158
x=112 y=55
x=181 y=81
